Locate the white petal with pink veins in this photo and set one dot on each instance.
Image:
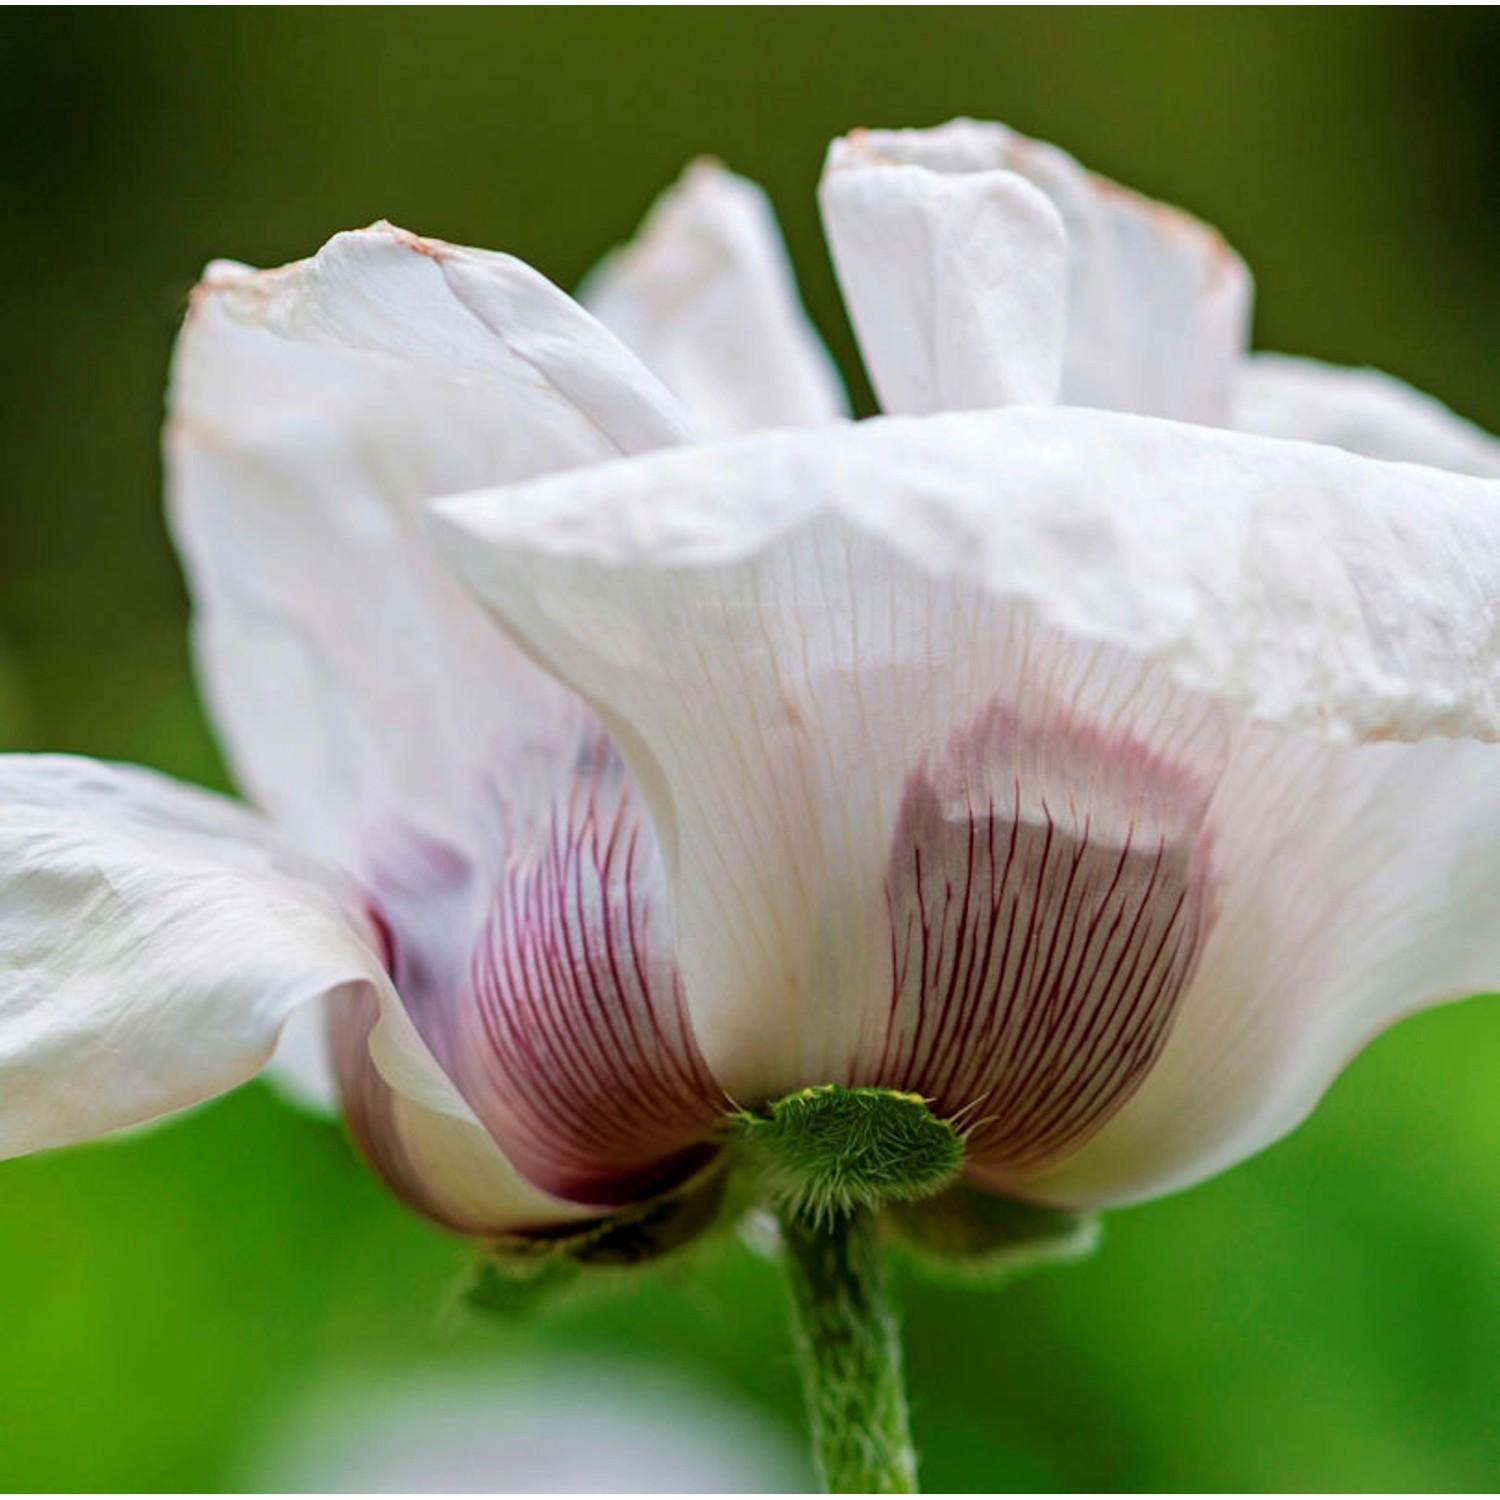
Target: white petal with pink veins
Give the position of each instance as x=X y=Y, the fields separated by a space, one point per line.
x=706 y=297
x=1033 y=651
x=1363 y=411
x=312 y=409
x=550 y=993
x=1050 y=889
x=440 y=1162
x=1156 y=306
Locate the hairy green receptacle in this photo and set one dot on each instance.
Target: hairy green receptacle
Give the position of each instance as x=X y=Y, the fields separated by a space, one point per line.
x=830 y=1150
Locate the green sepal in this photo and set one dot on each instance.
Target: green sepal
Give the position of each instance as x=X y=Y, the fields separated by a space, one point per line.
x=514 y=1275
x=974 y=1238
x=830 y=1150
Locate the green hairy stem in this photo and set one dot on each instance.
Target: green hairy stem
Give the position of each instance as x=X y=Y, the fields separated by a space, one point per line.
x=830 y=1159
x=849 y=1350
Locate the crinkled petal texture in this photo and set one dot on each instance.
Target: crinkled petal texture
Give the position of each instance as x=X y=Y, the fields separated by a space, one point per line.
x=982 y=268
x=1082 y=771
x=155 y=939
x=956 y=283
x=706 y=297
x=1362 y=411
x=373 y=706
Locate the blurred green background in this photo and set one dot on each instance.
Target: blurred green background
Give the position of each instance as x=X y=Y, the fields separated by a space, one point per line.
x=1325 y=1317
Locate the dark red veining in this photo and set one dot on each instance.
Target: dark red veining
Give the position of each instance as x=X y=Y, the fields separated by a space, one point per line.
x=588 y=1054
x=549 y=992
x=1048 y=898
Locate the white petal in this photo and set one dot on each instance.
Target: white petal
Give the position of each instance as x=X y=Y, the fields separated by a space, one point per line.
x=155 y=940
x=1363 y=411
x=705 y=296
x=312 y=409
x=1157 y=305
x=957 y=284
x=785 y=633
x=1348 y=597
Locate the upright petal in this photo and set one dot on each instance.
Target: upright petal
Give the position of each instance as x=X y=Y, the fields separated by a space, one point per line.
x=706 y=297
x=956 y=283
x=971 y=676
x=940 y=239
x=312 y=409
x=1362 y=411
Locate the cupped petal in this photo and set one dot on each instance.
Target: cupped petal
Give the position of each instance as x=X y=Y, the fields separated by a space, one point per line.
x=705 y=296
x=956 y=282
x=1157 y=306
x=312 y=409
x=1363 y=411
x=550 y=994
x=935 y=719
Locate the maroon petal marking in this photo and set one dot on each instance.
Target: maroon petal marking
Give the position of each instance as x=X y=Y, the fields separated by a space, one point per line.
x=549 y=992
x=1048 y=896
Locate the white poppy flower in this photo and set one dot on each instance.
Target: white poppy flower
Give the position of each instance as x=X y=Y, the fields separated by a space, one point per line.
x=1101 y=746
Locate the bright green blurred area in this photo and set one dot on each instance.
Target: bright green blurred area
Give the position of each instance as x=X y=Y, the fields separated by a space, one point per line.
x=1325 y=1317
